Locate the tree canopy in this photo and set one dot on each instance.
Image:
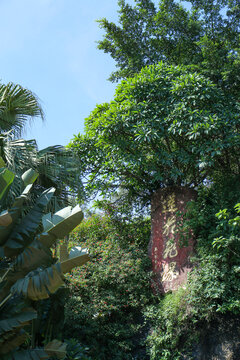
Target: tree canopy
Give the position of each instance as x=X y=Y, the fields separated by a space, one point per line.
x=206 y=37
x=165 y=126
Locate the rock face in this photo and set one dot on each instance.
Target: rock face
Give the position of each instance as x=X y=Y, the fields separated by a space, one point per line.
x=219 y=340
x=170 y=259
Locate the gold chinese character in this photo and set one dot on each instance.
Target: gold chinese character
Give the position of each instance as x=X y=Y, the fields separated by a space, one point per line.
x=169 y=226
x=169 y=272
x=168 y=205
x=170 y=249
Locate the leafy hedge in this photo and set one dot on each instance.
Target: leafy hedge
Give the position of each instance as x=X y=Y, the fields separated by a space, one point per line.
x=108 y=295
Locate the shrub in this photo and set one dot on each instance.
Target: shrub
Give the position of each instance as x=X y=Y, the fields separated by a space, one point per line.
x=108 y=295
x=170 y=325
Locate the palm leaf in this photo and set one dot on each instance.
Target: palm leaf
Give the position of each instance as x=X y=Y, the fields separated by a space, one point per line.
x=57 y=166
x=17 y=106
x=19 y=156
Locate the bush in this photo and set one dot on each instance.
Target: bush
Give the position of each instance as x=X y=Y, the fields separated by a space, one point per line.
x=170 y=326
x=108 y=295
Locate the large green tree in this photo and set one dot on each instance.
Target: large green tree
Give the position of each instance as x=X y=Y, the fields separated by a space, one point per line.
x=205 y=37
x=165 y=126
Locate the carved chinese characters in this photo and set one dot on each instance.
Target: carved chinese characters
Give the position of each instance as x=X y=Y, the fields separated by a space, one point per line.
x=170 y=261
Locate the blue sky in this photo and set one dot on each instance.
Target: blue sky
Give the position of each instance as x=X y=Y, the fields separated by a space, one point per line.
x=49 y=47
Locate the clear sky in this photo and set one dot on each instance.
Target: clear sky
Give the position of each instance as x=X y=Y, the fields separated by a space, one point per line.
x=49 y=47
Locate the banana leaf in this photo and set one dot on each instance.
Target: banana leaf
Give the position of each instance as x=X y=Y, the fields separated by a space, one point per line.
x=2 y=162
x=33 y=354
x=9 y=343
x=69 y=264
x=60 y=224
x=5 y=219
x=29 y=176
x=17 y=321
x=32 y=257
x=22 y=233
x=14 y=213
x=6 y=179
x=38 y=285
x=56 y=348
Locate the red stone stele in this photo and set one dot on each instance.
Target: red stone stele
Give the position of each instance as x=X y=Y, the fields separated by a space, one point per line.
x=170 y=258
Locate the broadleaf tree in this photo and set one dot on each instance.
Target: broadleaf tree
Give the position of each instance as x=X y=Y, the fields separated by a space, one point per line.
x=166 y=126
x=206 y=37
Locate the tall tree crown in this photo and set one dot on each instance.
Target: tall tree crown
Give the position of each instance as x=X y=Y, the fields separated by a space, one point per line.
x=206 y=37
x=165 y=126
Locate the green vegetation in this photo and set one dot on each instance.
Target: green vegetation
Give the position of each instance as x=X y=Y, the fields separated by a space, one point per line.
x=17 y=106
x=206 y=38
x=108 y=295
x=213 y=288
x=28 y=269
x=165 y=126
x=173 y=122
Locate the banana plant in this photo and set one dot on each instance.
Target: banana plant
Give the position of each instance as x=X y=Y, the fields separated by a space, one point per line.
x=28 y=271
x=56 y=165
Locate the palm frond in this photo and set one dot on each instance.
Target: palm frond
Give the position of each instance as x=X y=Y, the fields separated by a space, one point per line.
x=17 y=106
x=56 y=165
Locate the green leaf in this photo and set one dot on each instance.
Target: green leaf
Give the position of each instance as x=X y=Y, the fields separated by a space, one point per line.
x=56 y=348
x=6 y=179
x=22 y=233
x=33 y=354
x=29 y=176
x=17 y=321
x=60 y=224
x=69 y=264
x=39 y=284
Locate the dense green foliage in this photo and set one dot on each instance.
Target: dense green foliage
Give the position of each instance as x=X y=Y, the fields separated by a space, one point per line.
x=56 y=166
x=165 y=126
x=28 y=270
x=213 y=287
x=174 y=122
x=109 y=293
x=205 y=37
